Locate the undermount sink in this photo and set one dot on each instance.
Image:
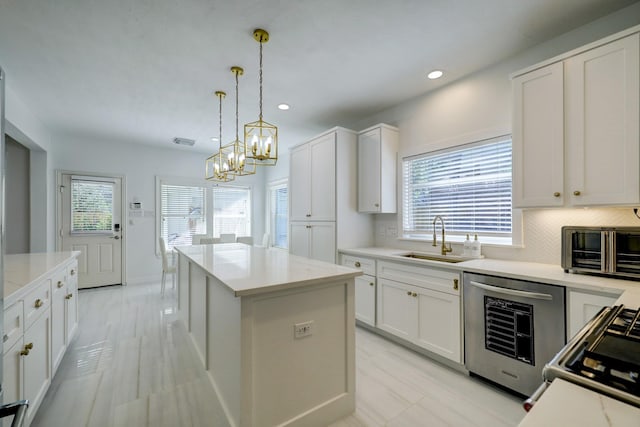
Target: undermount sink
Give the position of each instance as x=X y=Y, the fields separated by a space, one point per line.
x=433 y=257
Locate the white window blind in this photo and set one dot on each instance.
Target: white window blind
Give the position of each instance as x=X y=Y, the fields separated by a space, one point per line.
x=469 y=186
x=91 y=206
x=182 y=214
x=280 y=215
x=231 y=211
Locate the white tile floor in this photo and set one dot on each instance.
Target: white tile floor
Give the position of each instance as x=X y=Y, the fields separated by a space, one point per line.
x=132 y=364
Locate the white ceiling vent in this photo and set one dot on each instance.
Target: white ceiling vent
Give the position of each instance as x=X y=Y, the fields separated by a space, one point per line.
x=184 y=141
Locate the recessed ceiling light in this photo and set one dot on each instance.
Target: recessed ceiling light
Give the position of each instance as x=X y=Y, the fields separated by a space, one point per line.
x=283 y=106
x=435 y=74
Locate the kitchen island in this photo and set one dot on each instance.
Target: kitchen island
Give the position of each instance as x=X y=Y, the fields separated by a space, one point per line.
x=276 y=332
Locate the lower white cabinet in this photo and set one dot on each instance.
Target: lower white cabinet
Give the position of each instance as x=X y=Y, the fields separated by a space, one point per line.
x=313 y=239
x=582 y=306
x=365 y=296
x=12 y=372
x=425 y=312
x=64 y=312
x=37 y=363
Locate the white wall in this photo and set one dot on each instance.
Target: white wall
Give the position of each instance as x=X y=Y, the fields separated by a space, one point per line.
x=140 y=165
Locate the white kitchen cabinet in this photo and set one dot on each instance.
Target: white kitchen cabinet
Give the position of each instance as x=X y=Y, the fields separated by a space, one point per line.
x=37 y=363
x=582 y=306
x=312 y=191
x=602 y=106
x=538 y=138
x=71 y=299
x=377 y=160
x=12 y=371
x=316 y=240
x=58 y=318
x=584 y=104
x=422 y=306
x=365 y=295
x=323 y=194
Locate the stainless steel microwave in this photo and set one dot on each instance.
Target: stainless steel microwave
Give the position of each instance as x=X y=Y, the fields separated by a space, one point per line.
x=606 y=251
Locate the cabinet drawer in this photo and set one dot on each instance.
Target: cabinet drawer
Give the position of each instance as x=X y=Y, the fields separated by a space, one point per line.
x=13 y=324
x=37 y=302
x=368 y=266
x=429 y=278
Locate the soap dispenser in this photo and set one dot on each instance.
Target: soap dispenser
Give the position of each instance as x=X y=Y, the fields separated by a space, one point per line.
x=466 y=248
x=475 y=247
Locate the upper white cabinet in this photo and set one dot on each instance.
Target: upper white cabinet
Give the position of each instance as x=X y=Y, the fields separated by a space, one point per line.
x=575 y=128
x=313 y=194
x=377 y=159
x=323 y=197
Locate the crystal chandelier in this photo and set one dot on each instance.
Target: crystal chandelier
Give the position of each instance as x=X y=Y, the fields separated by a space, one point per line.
x=217 y=165
x=260 y=137
x=239 y=163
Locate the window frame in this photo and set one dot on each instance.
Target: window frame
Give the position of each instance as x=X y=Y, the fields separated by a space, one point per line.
x=270 y=226
x=516 y=238
x=209 y=208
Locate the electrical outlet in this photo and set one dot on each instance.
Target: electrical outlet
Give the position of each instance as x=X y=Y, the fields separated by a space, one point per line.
x=303 y=329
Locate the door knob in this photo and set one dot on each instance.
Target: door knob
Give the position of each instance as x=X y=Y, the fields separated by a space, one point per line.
x=116 y=237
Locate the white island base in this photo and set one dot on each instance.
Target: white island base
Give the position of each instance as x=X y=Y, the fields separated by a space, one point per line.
x=244 y=306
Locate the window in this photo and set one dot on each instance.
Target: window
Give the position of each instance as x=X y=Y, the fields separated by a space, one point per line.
x=91 y=206
x=469 y=186
x=187 y=208
x=183 y=213
x=279 y=214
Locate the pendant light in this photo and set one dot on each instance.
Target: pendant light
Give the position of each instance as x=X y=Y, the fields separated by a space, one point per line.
x=217 y=166
x=260 y=137
x=239 y=164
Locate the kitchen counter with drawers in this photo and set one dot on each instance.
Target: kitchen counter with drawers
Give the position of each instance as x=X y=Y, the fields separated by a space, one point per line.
x=40 y=320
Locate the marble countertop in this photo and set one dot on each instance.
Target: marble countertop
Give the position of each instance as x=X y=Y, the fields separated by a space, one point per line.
x=537 y=272
x=569 y=405
x=22 y=270
x=251 y=270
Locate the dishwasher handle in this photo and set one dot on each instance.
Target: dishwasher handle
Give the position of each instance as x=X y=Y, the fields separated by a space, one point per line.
x=512 y=292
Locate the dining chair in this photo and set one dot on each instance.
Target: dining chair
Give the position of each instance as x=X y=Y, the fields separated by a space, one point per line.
x=227 y=237
x=166 y=268
x=210 y=240
x=247 y=240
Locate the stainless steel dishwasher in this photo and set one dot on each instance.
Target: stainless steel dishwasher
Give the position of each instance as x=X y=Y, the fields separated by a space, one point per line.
x=512 y=328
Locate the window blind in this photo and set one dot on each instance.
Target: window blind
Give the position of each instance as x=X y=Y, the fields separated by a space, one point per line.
x=91 y=206
x=470 y=187
x=231 y=211
x=182 y=214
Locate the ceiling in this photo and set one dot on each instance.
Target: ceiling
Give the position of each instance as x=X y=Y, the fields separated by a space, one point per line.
x=144 y=71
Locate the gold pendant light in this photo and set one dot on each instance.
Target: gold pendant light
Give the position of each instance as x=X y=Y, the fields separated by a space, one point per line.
x=239 y=164
x=217 y=166
x=260 y=137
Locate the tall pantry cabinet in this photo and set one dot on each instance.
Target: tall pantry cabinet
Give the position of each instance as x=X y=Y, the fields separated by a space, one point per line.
x=323 y=199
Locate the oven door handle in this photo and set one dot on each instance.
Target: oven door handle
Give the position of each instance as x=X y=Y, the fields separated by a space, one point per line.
x=513 y=292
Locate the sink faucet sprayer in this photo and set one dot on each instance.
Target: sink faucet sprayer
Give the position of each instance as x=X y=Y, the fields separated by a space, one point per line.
x=444 y=249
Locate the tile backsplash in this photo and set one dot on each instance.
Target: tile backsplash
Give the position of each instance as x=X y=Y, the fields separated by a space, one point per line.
x=541 y=232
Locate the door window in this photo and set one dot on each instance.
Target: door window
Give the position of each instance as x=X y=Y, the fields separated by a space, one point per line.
x=91 y=206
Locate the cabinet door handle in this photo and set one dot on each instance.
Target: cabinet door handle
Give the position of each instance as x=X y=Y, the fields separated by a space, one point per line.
x=308 y=226
x=60 y=284
x=73 y=272
x=29 y=346
x=377 y=205
x=409 y=293
x=556 y=194
x=357 y=264
x=38 y=303
x=308 y=215
x=69 y=296
x=455 y=284
x=24 y=352
x=371 y=284
x=414 y=294
x=576 y=193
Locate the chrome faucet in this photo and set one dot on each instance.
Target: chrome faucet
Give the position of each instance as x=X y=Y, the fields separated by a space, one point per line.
x=444 y=249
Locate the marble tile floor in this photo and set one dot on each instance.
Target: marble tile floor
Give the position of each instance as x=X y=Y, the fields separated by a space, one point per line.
x=132 y=364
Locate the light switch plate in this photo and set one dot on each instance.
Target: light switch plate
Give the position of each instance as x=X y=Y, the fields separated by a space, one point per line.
x=304 y=329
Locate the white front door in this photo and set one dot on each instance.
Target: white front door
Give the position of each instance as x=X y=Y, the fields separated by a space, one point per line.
x=91 y=222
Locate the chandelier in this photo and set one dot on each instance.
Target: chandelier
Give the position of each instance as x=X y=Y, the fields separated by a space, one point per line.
x=217 y=165
x=237 y=160
x=260 y=137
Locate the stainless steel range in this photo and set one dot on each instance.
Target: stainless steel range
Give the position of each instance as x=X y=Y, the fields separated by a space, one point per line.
x=604 y=356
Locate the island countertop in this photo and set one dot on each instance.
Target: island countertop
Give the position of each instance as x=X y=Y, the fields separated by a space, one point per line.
x=251 y=270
